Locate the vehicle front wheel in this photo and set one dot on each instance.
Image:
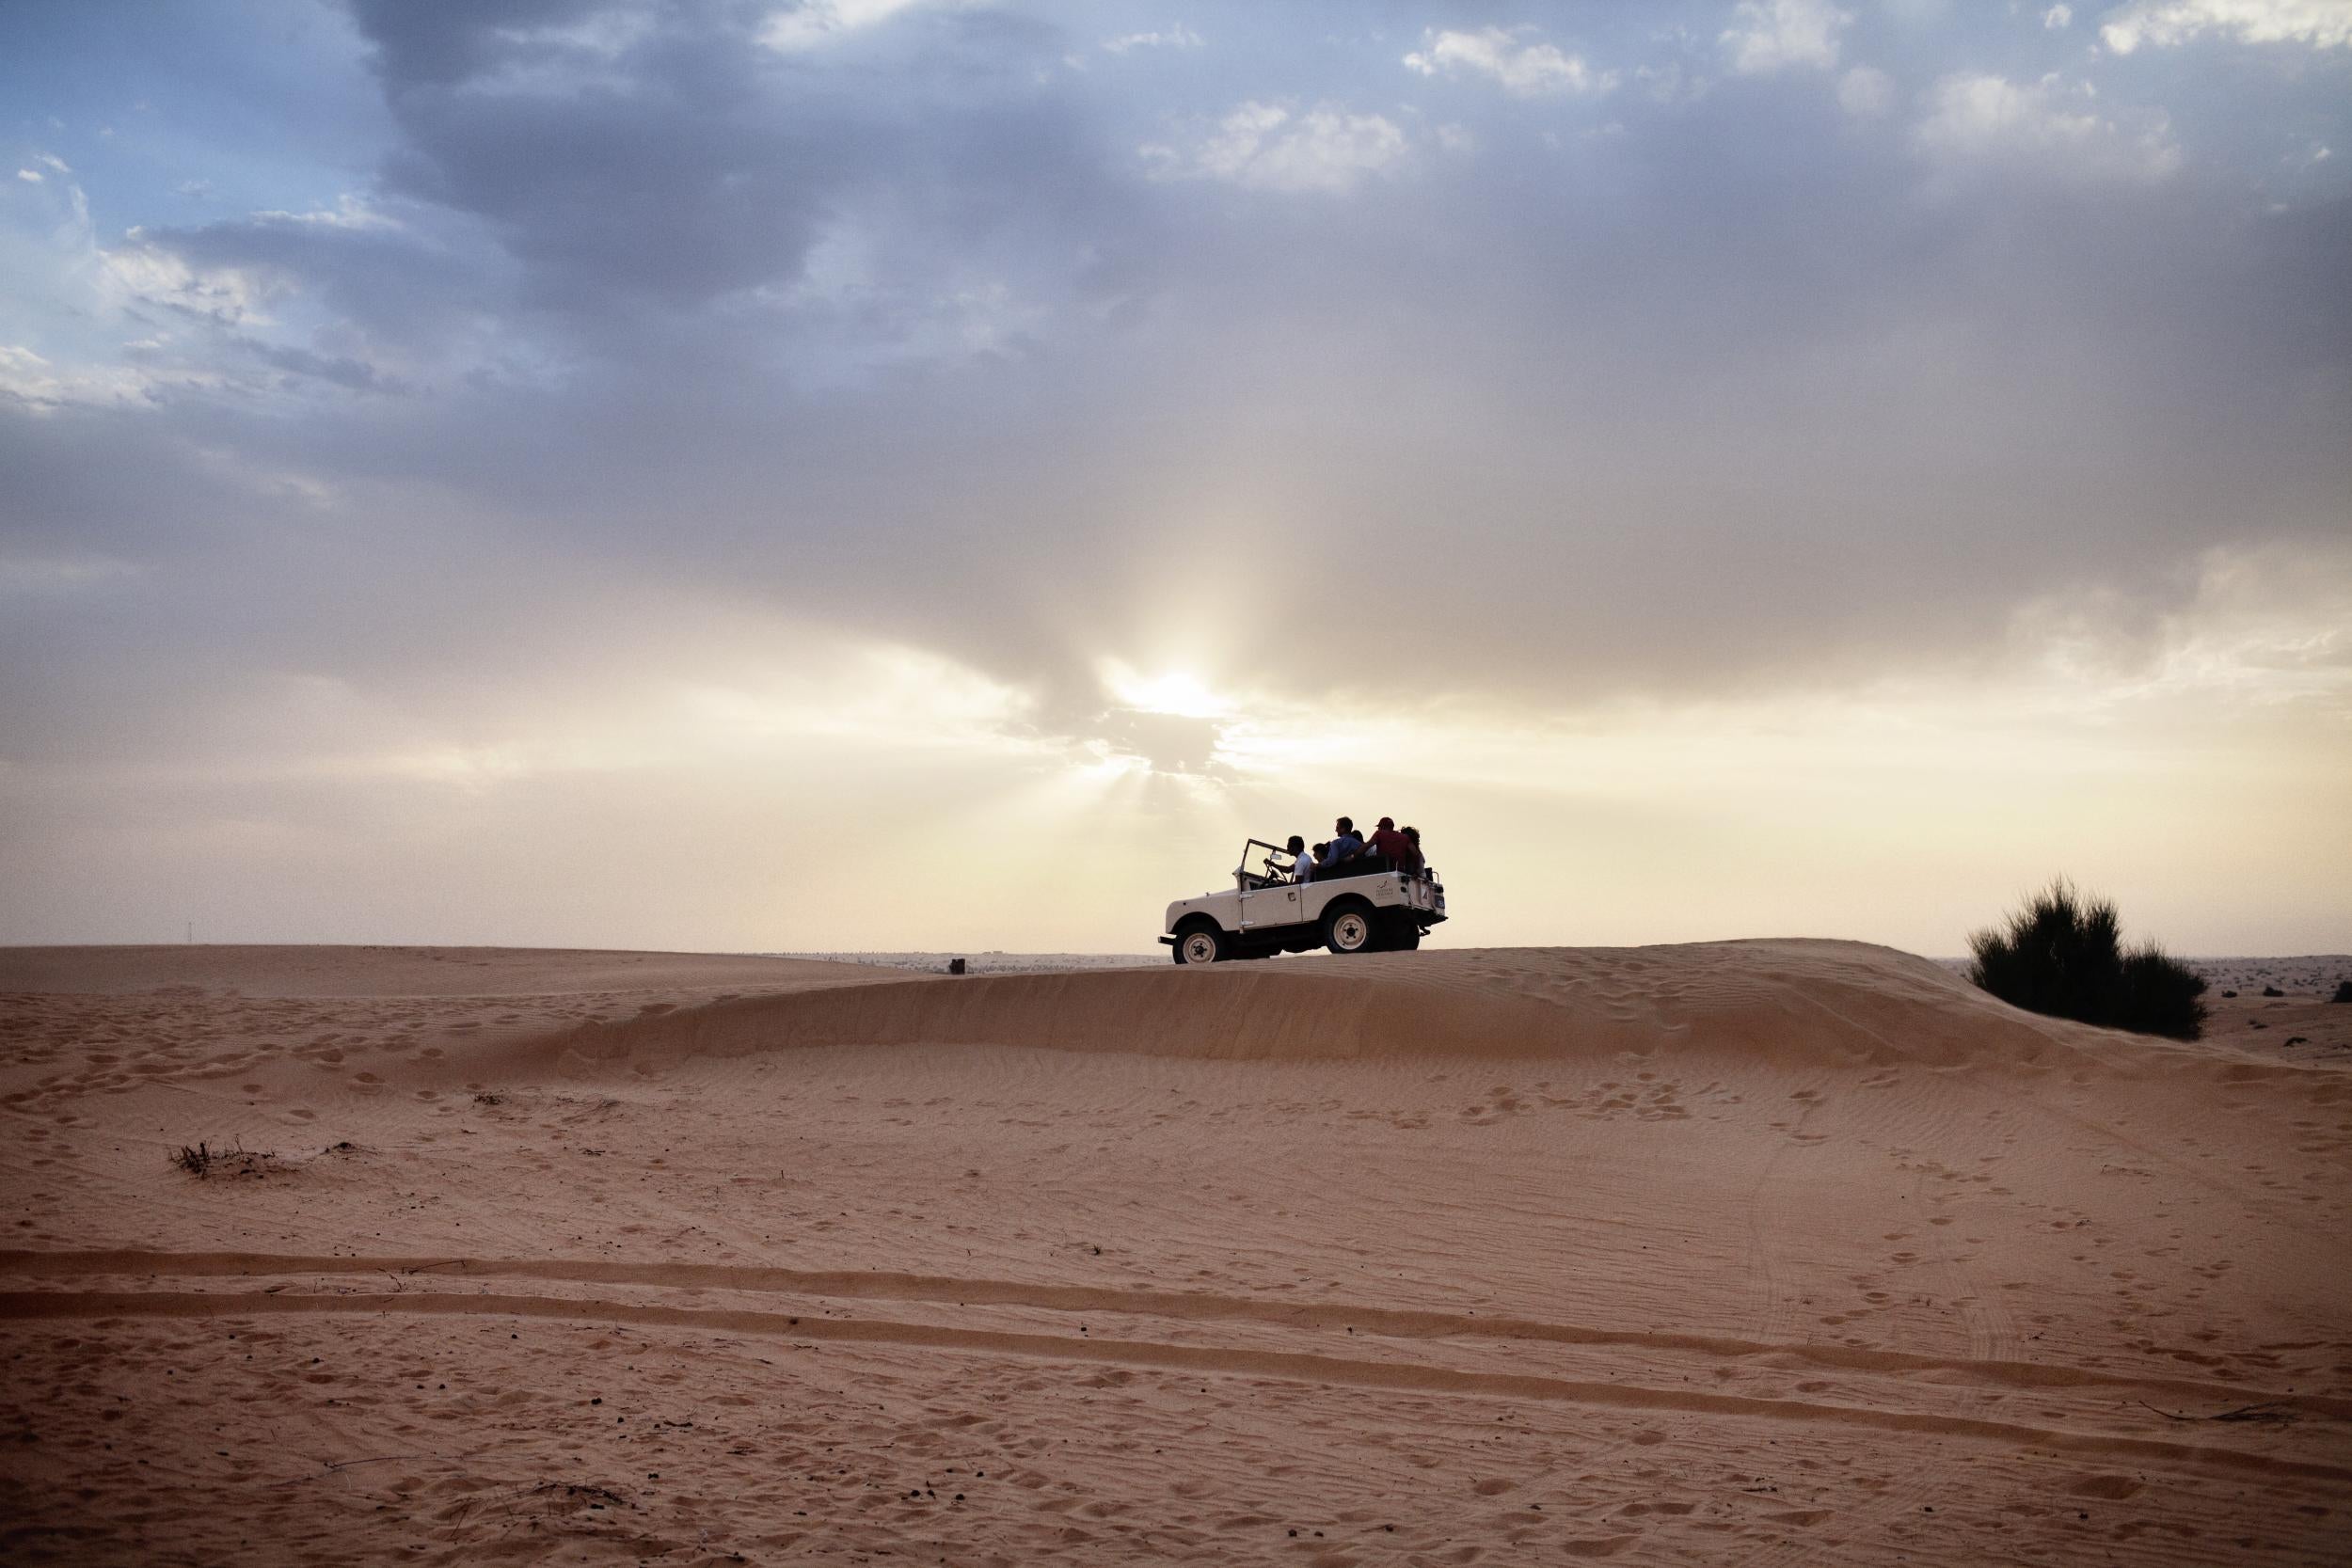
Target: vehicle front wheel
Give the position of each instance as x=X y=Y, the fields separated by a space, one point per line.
x=1347 y=929
x=1203 y=945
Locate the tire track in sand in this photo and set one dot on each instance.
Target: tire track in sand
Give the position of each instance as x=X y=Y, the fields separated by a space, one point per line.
x=942 y=1289
x=1283 y=1366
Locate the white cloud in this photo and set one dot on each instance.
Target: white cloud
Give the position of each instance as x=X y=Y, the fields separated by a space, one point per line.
x=47 y=160
x=2057 y=17
x=2165 y=24
x=89 y=282
x=150 y=274
x=1864 y=92
x=349 y=212
x=1524 y=68
x=35 y=381
x=1978 y=118
x=1178 y=37
x=1266 y=147
x=148 y=318
x=1767 y=36
x=818 y=23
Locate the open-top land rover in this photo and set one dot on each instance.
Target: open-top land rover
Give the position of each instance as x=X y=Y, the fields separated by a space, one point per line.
x=1368 y=905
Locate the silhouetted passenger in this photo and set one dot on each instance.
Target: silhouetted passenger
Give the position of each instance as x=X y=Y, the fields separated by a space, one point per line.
x=1412 y=837
x=1346 y=845
x=1302 y=864
x=1386 y=841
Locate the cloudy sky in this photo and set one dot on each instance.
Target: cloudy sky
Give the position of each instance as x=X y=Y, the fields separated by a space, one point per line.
x=878 y=473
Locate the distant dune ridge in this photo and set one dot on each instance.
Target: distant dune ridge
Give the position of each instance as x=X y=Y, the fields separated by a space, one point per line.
x=390 y=972
x=1765 y=1251
x=1780 y=1002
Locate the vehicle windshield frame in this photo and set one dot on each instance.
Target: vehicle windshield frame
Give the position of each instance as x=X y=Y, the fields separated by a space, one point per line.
x=1246 y=881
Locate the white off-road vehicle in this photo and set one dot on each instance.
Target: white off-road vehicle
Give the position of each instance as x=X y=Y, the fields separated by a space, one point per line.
x=1367 y=906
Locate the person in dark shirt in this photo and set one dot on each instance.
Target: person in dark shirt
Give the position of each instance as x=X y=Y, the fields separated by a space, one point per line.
x=1412 y=837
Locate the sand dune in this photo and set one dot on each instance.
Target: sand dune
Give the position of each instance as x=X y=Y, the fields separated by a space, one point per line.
x=1774 y=1004
x=1765 y=1251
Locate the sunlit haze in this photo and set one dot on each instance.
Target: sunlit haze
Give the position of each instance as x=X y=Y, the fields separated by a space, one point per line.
x=929 y=475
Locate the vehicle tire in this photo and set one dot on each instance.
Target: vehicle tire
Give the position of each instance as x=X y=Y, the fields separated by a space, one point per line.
x=1202 y=942
x=1348 y=928
x=1404 y=937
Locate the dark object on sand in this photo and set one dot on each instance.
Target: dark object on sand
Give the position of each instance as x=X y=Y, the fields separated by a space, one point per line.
x=2228 y=995
x=2344 y=991
x=955 y=966
x=2256 y=1024
x=2272 y=990
x=2064 y=955
x=203 y=1161
x=2298 y=1040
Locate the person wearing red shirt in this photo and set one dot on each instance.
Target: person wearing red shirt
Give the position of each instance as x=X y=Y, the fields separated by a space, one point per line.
x=1399 y=849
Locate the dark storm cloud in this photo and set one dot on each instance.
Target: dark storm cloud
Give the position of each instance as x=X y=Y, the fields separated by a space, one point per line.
x=684 y=161
x=340 y=371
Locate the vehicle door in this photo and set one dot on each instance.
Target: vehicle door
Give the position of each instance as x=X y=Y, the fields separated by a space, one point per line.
x=1270 y=901
x=1276 y=904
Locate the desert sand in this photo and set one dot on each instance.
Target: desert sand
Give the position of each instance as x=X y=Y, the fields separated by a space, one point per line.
x=1765 y=1252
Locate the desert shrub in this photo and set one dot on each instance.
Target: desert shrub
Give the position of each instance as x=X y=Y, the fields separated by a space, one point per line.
x=2344 y=991
x=203 y=1161
x=2063 y=953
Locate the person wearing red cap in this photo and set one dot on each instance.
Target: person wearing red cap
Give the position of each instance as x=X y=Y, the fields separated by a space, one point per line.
x=1386 y=841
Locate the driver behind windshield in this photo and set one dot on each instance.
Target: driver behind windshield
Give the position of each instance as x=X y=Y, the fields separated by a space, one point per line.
x=1302 y=864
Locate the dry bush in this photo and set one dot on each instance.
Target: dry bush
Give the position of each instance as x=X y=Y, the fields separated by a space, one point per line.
x=2062 y=954
x=203 y=1161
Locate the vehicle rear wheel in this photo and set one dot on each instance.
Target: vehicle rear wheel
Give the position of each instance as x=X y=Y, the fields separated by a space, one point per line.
x=1201 y=942
x=1348 y=928
x=1402 y=935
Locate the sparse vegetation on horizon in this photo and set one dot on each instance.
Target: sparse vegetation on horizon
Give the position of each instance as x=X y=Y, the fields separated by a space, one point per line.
x=2063 y=953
